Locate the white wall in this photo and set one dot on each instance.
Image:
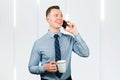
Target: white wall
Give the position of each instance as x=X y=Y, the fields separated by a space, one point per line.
x=110 y=49
x=25 y=35
x=85 y=14
x=101 y=37
x=6 y=40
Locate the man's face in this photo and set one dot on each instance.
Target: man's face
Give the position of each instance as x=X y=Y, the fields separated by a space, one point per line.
x=55 y=18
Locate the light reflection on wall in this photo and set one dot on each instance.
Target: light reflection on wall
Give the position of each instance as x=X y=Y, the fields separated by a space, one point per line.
x=14 y=27
x=102 y=10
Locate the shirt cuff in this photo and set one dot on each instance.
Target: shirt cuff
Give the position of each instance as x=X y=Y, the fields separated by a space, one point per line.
x=41 y=68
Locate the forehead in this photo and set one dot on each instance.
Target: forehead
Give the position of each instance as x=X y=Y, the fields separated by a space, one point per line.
x=55 y=11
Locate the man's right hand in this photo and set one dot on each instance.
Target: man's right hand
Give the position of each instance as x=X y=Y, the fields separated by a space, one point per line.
x=51 y=67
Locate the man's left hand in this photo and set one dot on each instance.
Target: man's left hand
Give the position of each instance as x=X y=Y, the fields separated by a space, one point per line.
x=71 y=28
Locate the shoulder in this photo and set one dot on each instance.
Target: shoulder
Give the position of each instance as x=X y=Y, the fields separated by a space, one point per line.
x=41 y=39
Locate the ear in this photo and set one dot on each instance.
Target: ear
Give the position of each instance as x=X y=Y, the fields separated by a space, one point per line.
x=47 y=18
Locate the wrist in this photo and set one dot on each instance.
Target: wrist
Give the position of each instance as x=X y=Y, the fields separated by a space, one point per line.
x=46 y=67
x=75 y=33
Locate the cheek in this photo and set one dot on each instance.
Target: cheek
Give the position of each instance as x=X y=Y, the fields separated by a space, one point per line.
x=50 y=21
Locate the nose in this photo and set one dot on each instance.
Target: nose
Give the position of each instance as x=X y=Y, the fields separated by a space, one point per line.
x=60 y=17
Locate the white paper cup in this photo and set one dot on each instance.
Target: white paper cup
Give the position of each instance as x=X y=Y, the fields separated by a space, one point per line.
x=61 y=64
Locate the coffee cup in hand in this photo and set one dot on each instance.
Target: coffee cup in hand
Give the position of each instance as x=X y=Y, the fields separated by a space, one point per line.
x=61 y=64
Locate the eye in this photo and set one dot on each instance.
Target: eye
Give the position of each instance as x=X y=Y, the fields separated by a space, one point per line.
x=56 y=15
x=61 y=15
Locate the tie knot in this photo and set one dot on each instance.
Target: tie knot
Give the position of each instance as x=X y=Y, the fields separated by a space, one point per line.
x=56 y=36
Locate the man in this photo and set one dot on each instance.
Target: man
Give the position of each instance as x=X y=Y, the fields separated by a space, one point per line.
x=44 y=49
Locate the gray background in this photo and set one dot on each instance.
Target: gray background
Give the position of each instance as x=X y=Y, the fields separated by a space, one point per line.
x=23 y=21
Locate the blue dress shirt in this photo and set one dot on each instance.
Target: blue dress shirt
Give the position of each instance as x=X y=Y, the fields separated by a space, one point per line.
x=43 y=52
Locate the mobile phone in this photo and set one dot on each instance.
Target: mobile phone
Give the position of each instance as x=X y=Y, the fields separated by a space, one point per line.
x=64 y=24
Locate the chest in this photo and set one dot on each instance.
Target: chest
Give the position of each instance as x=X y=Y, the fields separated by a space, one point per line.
x=47 y=49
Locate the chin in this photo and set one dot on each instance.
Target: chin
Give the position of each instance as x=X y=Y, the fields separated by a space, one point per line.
x=59 y=27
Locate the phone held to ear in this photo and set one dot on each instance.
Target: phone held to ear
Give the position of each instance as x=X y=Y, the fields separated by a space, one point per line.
x=64 y=24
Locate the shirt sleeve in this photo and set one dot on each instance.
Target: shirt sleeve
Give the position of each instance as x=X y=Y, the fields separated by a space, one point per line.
x=80 y=47
x=35 y=58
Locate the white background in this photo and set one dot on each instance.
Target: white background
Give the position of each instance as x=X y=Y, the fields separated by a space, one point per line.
x=22 y=22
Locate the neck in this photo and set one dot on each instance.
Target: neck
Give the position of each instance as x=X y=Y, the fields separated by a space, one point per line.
x=54 y=30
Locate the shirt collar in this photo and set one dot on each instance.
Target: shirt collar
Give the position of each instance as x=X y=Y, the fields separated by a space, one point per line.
x=52 y=34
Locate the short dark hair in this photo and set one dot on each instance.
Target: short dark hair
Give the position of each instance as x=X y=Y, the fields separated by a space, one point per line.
x=50 y=8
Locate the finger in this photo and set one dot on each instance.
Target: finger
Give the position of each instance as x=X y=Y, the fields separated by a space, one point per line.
x=53 y=65
x=68 y=21
x=72 y=25
x=52 y=62
x=68 y=29
x=53 y=70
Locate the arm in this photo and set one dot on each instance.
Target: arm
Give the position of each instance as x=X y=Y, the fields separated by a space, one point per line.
x=35 y=58
x=79 y=46
x=34 y=61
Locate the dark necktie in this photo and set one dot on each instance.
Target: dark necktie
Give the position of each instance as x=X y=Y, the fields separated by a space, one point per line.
x=57 y=52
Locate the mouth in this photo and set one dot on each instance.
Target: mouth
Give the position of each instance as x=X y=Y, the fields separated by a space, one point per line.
x=59 y=22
